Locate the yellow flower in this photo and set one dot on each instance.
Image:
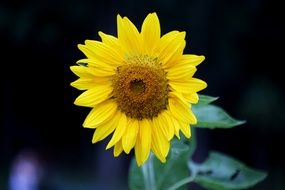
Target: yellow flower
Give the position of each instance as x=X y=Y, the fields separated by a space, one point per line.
x=140 y=87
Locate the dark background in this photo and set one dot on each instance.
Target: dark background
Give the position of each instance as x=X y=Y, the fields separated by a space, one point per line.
x=243 y=42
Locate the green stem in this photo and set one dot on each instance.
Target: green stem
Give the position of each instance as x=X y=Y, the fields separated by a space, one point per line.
x=148 y=174
x=181 y=182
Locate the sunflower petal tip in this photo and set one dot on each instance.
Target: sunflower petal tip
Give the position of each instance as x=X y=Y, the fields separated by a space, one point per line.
x=72 y=84
x=127 y=151
x=86 y=126
x=169 y=137
x=80 y=46
x=150 y=14
x=75 y=102
x=119 y=17
x=204 y=85
x=95 y=140
x=86 y=41
x=139 y=164
x=100 y=33
x=72 y=67
x=108 y=146
x=187 y=135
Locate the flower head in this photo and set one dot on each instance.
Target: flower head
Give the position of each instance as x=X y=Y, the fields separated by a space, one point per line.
x=140 y=87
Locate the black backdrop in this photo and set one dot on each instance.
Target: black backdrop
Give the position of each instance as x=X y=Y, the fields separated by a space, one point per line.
x=243 y=44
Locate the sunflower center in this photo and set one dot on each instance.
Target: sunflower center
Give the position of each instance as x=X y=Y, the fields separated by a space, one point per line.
x=140 y=88
x=137 y=86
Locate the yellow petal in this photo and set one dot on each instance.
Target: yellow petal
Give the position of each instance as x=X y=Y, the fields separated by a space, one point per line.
x=128 y=35
x=177 y=54
x=185 y=128
x=170 y=48
x=118 y=149
x=130 y=135
x=81 y=71
x=162 y=126
x=189 y=59
x=120 y=130
x=145 y=136
x=150 y=33
x=87 y=80
x=138 y=152
x=96 y=69
x=94 y=96
x=143 y=143
x=166 y=115
x=83 y=84
x=93 y=63
x=193 y=118
x=100 y=114
x=105 y=129
x=104 y=53
x=180 y=72
x=87 y=52
x=176 y=127
x=181 y=110
x=99 y=72
x=99 y=67
x=113 y=42
x=192 y=97
x=192 y=85
x=160 y=145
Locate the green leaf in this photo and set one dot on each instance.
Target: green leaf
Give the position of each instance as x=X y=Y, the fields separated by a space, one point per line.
x=220 y=172
x=204 y=99
x=154 y=175
x=210 y=116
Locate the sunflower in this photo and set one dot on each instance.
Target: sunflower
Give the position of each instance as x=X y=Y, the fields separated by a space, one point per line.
x=140 y=87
